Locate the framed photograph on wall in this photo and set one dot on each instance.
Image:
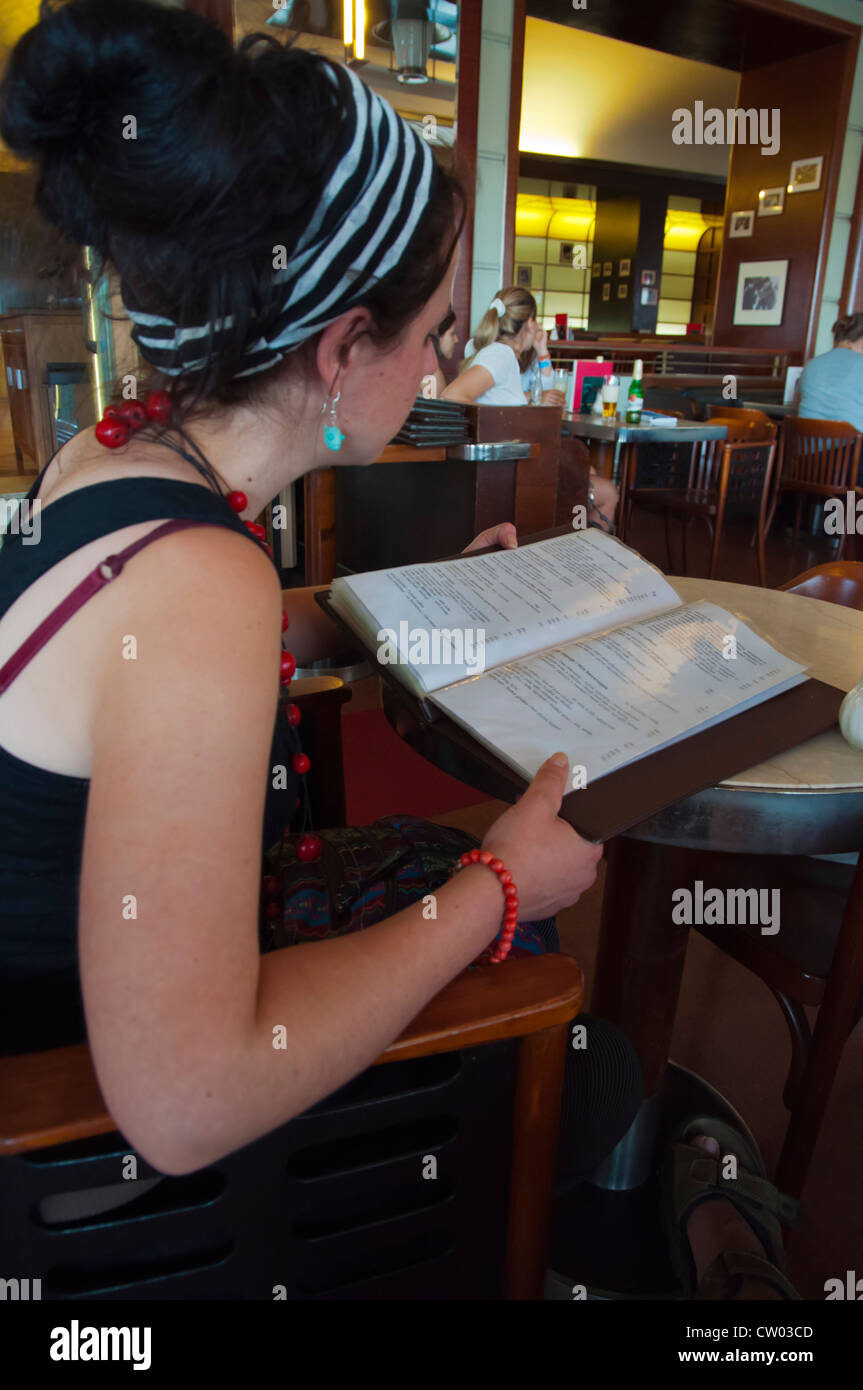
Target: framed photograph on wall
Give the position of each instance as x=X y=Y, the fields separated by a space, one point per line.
x=649 y=296
x=771 y=201
x=624 y=269
x=805 y=175
x=566 y=250
x=648 y=277
x=760 y=293
x=523 y=275
x=622 y=291
x=741 y=223
x=606 y=268
x=606 y=291
x=596 y=270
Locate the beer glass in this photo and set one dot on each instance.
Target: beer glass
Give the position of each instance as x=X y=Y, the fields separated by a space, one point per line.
x=610 y=394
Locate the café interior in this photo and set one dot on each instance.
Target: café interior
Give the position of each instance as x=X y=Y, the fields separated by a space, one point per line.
x=680 y=190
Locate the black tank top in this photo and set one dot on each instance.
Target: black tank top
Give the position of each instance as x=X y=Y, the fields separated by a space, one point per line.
x=42 y=814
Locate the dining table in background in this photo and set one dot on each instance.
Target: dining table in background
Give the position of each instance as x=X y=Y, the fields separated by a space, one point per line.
x=614 y=445
x=776 y=410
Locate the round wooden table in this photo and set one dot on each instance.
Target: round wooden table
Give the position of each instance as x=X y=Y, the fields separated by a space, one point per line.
x=809 y=800
x=806 y=801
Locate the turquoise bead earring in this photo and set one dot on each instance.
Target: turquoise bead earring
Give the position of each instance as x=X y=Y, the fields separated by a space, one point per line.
x=333 y=436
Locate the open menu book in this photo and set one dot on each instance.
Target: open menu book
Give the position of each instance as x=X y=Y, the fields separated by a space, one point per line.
x=574 y=643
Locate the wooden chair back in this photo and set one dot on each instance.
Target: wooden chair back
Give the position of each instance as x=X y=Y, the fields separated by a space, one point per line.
x=748 y=475
x=732 y=412
x=746 y=452
x=840 y=581
x=476 y=1080
x=746 y=427
x=819 y=456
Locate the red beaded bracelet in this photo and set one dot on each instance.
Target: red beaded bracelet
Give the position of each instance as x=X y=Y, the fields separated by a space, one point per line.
x=500 y=948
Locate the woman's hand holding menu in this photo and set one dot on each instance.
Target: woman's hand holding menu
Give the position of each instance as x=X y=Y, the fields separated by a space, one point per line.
x=550 y=864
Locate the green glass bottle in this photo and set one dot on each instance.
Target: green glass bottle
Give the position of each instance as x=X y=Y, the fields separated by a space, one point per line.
x=635 y=399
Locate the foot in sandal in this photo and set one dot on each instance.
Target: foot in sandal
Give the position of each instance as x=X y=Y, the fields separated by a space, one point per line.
x=724 y=1229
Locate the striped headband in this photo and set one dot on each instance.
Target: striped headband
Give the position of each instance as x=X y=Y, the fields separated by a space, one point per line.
x=364 y=221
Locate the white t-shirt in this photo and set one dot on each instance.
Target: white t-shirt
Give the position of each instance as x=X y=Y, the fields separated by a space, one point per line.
x=502 y=363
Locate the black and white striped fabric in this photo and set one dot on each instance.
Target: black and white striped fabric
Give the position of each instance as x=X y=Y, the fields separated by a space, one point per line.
x=365 y=219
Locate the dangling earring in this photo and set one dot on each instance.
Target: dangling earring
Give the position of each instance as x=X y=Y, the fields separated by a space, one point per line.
x=333 y=436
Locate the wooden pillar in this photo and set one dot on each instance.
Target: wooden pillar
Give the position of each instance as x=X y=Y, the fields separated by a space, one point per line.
x=221 y=12
x=319 y=529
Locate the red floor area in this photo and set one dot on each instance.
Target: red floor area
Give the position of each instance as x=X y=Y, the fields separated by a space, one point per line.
x=384 y=777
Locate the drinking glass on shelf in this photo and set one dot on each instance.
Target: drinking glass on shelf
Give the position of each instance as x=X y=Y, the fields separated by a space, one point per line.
x=610 y=396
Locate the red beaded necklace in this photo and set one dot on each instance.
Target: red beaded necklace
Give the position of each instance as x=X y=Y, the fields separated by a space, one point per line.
x=114 y=430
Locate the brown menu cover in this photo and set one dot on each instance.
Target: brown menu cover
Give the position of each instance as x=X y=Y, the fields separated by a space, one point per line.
x=620 y=800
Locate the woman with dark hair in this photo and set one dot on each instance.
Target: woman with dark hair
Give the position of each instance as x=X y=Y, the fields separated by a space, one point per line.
x=831 y=386
x=286 y=291
x=445 y=342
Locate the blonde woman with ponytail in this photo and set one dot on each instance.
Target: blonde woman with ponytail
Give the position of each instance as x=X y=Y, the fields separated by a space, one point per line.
x=491 y=374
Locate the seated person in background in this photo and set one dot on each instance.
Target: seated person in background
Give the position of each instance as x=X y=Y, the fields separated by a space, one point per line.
x=445 y=342
x=831 y=386
x=491 y=374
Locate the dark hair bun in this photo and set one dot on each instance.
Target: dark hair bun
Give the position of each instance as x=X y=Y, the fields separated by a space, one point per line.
x=848 y=329
x=72 y=85
x=185 y=164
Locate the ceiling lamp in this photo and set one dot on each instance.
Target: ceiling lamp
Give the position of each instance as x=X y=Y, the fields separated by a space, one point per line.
x=411 y=34
x=355 y=27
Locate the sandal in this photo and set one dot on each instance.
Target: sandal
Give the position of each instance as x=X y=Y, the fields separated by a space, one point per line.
x=690 y=1176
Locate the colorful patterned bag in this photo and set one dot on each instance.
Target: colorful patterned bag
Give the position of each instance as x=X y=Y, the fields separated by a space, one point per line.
x=365 y=874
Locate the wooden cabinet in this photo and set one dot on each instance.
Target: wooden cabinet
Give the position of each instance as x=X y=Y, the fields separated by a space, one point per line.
x=30 y=342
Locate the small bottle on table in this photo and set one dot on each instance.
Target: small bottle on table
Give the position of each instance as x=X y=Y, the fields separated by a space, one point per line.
x=635 y=399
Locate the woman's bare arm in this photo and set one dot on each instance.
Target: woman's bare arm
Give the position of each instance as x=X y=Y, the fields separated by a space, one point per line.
x=311 y=635
x=472 y=383
x=183 y=1014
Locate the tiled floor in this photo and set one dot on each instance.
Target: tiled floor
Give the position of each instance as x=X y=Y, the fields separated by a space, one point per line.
x=729 y=1028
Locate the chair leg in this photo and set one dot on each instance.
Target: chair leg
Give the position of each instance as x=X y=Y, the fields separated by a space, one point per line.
x=717 y=541
x=797 y=516
x=835 y=1020
x=685 y=527
x=666 y=516
x=627 y=482
x=801 y=1045
x=762 y=555
x=772 y=511
x=536 y=1119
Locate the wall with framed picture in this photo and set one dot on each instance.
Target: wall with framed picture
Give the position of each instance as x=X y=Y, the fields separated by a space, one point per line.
x=779 y=205
x=760 y=298
x=618 y=217
x=554 y=249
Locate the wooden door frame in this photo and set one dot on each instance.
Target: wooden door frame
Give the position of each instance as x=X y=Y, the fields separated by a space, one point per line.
x=516 y=84
x=467 y=119
x=844 y=32
x=221 y=12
